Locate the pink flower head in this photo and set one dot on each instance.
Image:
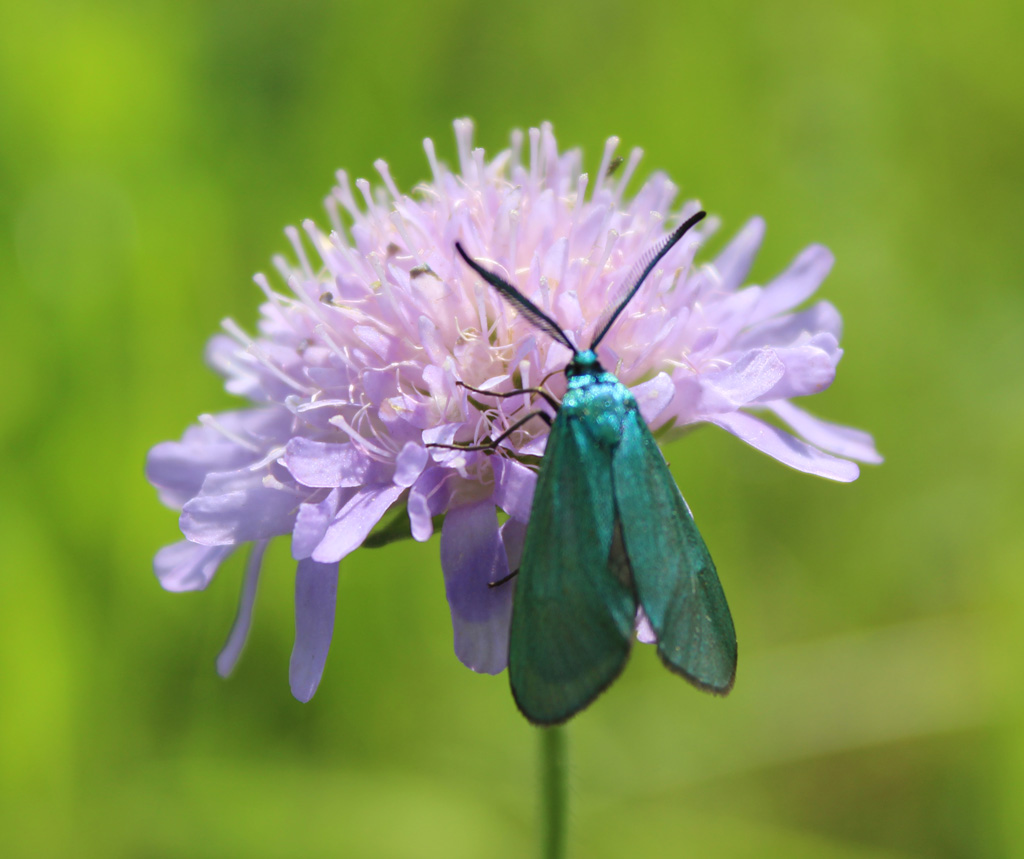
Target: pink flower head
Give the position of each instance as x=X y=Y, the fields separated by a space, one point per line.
x=354 y=373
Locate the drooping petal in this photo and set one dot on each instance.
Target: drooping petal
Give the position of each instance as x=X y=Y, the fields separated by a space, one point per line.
x=354 y=521
x=472 y=556
x=187 y=566
x=316 y=598
x=786 y=448
x=235 y=644
x=840 y=440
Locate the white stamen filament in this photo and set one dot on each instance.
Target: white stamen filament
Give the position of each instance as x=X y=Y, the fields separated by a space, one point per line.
x=252 y=348
x=610 y=145
x=211 y=421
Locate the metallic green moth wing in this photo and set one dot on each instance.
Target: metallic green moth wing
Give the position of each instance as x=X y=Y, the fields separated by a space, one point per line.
x=574 y=612
x=674 y=576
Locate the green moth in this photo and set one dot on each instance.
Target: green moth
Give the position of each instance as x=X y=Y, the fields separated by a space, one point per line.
x=609 y=532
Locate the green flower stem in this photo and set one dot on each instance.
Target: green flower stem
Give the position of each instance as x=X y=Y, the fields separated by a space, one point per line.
x=554 y=791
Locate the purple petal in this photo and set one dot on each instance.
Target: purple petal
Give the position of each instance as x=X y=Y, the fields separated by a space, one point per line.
x=312 y=522
x=228 y=359
x=513 y=487
x=354 y=521
x=752 y=376
x=378 y=384
x=178 y=472
x=232 y=650
x=316 y=597
x=653 y=397
x=786 y=330
x=431 y=340
x=796 y=284
x=785 y=448
x=834 y=438
x=429 y=496
x=187 y=566
x=735 y=260
x=472 y=556
x=237 y=507
x=409 y=464
x=644 y=631
x=441 y=434
x=809 y=370
x=513 y=535
x=377 y=340
x=317 y=463
x=535 y=446
x=178 y=468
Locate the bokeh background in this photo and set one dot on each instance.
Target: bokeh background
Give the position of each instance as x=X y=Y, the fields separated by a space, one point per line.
x=150 y=155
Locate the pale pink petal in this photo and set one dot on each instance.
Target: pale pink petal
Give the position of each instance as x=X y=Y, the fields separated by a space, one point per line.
x=796 y=284
x=785 y=330
x=644 y=631
x=751 y=377
x=654 y=396
x=786 y=448
x=736 y=258
x=808 y=370
x=840 y=440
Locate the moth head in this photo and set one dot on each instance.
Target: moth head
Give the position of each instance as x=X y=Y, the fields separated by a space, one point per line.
x=583 y=363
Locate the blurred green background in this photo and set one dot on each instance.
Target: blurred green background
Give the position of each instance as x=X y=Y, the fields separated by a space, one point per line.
x=150 y=155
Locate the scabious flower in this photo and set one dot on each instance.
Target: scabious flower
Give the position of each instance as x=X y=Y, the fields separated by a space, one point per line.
x=354 y=373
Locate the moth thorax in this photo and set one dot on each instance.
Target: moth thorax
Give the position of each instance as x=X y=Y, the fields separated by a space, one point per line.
x=603 y=412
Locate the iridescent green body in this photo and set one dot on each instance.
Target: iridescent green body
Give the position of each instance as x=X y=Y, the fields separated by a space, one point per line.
x=609 y=531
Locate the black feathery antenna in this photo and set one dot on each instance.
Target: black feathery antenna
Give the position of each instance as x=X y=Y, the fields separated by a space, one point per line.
x=645 y=266
x=530 y=310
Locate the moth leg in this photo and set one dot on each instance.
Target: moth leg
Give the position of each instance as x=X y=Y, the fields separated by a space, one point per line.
x=551 y=401
x=503 y=579
x=493 y=444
